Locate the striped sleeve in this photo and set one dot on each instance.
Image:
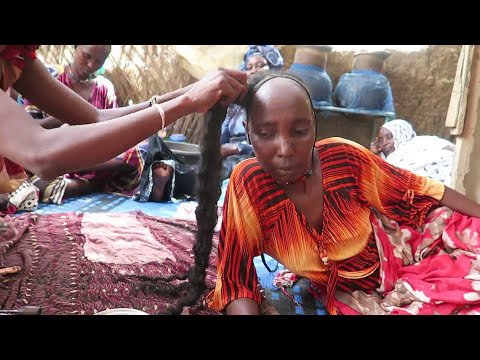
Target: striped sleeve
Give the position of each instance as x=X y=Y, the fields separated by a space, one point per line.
x=397 y=193
x=239 y=237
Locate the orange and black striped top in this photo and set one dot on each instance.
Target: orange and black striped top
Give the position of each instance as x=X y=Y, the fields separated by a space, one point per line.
x=259 y=217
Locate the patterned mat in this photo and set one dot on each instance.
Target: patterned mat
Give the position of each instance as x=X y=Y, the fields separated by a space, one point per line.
x=110 y=203
x=113 y=203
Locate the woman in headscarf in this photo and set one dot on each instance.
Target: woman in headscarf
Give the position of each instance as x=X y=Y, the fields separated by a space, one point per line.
x=424 y=155
x=235 y=147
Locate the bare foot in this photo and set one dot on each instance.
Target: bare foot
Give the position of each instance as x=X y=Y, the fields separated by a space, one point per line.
x=161 y=174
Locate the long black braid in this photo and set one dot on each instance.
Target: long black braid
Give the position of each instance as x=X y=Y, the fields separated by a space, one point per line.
x=208 y=192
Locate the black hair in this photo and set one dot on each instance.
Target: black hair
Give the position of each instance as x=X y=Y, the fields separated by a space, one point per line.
x=261 y=77
x=109 y=51
x=208 y=193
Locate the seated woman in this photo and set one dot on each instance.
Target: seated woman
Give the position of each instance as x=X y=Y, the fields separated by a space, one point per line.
x=313 y=205
x=65 y=149
x=235 y=147
x=118 y=175
x=424 y=155
x=365 y=87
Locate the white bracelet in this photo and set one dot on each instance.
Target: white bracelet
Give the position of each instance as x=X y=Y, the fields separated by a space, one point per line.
x=153 y=100
x=162 y=133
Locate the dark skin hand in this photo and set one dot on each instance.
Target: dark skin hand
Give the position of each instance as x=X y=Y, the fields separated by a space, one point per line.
x=375 y=147
x=229 y=150
x=80 y=147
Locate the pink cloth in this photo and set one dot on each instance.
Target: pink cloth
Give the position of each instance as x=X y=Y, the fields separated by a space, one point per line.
x=427 y=271
x=121 y=239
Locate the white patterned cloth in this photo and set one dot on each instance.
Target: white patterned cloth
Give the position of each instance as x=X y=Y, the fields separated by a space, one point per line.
x=25 y=198
x=424 y=155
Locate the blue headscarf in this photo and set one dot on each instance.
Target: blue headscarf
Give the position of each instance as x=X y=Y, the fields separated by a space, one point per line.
x=269 y=52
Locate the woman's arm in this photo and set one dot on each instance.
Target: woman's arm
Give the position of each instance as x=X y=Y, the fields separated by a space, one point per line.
x=50 y=122
x=49 y=153
x=72 y=109
x=458 y=202
x=38 y=86
x=243 y=306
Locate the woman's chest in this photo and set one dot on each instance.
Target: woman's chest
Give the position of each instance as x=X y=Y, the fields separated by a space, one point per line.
x=86 y=91
x=337 y=226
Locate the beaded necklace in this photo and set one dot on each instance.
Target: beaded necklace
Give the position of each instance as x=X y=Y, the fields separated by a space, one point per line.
x=302 y=178
x=77 y=79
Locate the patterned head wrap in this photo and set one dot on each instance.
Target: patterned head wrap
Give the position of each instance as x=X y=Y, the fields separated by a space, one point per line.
x=401 y=130
x=268 y=52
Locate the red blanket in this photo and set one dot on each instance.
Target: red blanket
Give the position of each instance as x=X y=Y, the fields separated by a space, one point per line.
x=426 y=271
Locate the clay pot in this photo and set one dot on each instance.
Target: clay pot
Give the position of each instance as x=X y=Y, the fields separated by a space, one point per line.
x=312 y=55
x=370 y=60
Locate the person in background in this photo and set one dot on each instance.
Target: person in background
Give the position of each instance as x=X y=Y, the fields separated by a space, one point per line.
x=425 y=155
x=118 y=175
x=234 y=142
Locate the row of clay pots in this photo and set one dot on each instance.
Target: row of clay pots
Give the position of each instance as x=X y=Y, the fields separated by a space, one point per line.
x=317 y=55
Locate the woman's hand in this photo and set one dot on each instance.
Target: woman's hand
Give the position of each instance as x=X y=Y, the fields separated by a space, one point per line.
x=222 y=86
x=375 y=147
x=228 y=150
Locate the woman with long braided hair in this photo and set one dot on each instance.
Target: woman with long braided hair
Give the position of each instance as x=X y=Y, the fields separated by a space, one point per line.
x=368 y=236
